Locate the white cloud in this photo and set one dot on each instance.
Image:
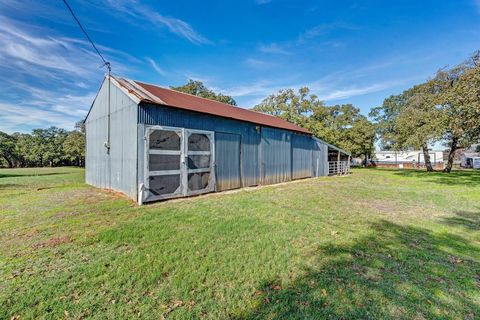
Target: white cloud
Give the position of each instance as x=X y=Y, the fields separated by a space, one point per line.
x=325 y=28
x=22 y=50
x=47 y=79
x=54 y=57
x=350 y=92
x=42 y=107
x=273 y=48
x=258 y=64
x=141 y=12
x=154 y=65
x=260 y=88
x=17 y=117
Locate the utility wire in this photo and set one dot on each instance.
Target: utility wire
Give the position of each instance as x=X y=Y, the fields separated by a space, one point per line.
x=105 y=62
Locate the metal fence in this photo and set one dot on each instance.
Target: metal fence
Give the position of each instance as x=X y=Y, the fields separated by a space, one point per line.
x=338 y=167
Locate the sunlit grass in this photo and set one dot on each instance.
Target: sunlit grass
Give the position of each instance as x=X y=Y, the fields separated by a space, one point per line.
x=375 y=244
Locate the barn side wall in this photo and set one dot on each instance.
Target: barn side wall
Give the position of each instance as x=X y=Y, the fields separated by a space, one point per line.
x=117 y=170
x=267 y=155
x=319 y=158
x=302 y=156
x=275 y=156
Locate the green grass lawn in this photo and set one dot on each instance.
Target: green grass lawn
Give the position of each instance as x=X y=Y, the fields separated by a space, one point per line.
x=377 y=244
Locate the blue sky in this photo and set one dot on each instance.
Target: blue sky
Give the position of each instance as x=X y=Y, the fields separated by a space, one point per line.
x=346 y=51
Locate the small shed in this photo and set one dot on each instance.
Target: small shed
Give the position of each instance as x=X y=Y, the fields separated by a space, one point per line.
x=153 y=143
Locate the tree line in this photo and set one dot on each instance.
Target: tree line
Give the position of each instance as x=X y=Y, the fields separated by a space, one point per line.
x=43 y=147
x=444 y=108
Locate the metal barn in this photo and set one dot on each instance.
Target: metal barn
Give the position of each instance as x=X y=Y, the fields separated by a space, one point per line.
x=152 y=143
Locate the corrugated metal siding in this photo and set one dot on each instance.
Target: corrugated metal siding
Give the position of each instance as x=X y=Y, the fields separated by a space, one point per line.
x=268 y=155
x=319 y=159
x=250 y=138
x=117 y=171
x=276 y=157
x=301 y=156
x=227 y=161
x=96 y=159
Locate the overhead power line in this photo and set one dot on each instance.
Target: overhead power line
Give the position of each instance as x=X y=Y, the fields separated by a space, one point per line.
x=105 y=62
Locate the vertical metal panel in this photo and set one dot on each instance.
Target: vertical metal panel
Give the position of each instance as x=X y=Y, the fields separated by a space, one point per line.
x=319 y=158
x=276 y=164
x=227 y=165
x=301 y=156
x=117 y=170
x=325 y=159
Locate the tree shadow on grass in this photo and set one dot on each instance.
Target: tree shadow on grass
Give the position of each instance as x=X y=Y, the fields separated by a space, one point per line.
x=460 y=178
x=466 y=219
x=10 y=185
x=19 y=175
x=403 y=272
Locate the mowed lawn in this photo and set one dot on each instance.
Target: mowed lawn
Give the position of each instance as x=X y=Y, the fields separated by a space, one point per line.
x=377 y=244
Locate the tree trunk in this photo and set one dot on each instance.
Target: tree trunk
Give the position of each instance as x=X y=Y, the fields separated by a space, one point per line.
x=426 y=158
x=451 y=155
x=9 y=162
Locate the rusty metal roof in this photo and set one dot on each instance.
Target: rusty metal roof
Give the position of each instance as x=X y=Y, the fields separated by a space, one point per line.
x=143 y=92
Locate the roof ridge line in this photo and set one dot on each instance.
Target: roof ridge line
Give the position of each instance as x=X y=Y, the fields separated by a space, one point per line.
x=192 y=95
x=147 y=93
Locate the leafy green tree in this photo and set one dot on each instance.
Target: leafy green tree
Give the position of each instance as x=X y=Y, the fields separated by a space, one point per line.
x=197 y=88
x=421 y=122
x=24 y=145
x=361 y=137
x=47 y=148
x=459 y=100
x=410 y=120
x=385 y=119
x=7 y=149
x=74 y=148
x=344 y=126
x=292 y=106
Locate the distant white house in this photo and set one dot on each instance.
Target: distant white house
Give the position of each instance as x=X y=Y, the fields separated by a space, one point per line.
x=407 y=159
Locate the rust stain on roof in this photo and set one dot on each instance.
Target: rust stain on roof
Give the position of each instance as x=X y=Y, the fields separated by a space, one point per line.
x=168 y=97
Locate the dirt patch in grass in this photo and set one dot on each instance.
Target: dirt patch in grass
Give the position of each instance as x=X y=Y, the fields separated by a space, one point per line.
x=395 y=210
x=52 y=242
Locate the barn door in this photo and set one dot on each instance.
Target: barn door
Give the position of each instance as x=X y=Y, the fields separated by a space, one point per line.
x=178 y=162
x=164 y=163
x=199 y=159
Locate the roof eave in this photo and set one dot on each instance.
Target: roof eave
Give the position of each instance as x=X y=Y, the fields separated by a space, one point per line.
x=306 y=132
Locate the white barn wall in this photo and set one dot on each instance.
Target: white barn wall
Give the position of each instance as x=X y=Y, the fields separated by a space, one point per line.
x=117 y=170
